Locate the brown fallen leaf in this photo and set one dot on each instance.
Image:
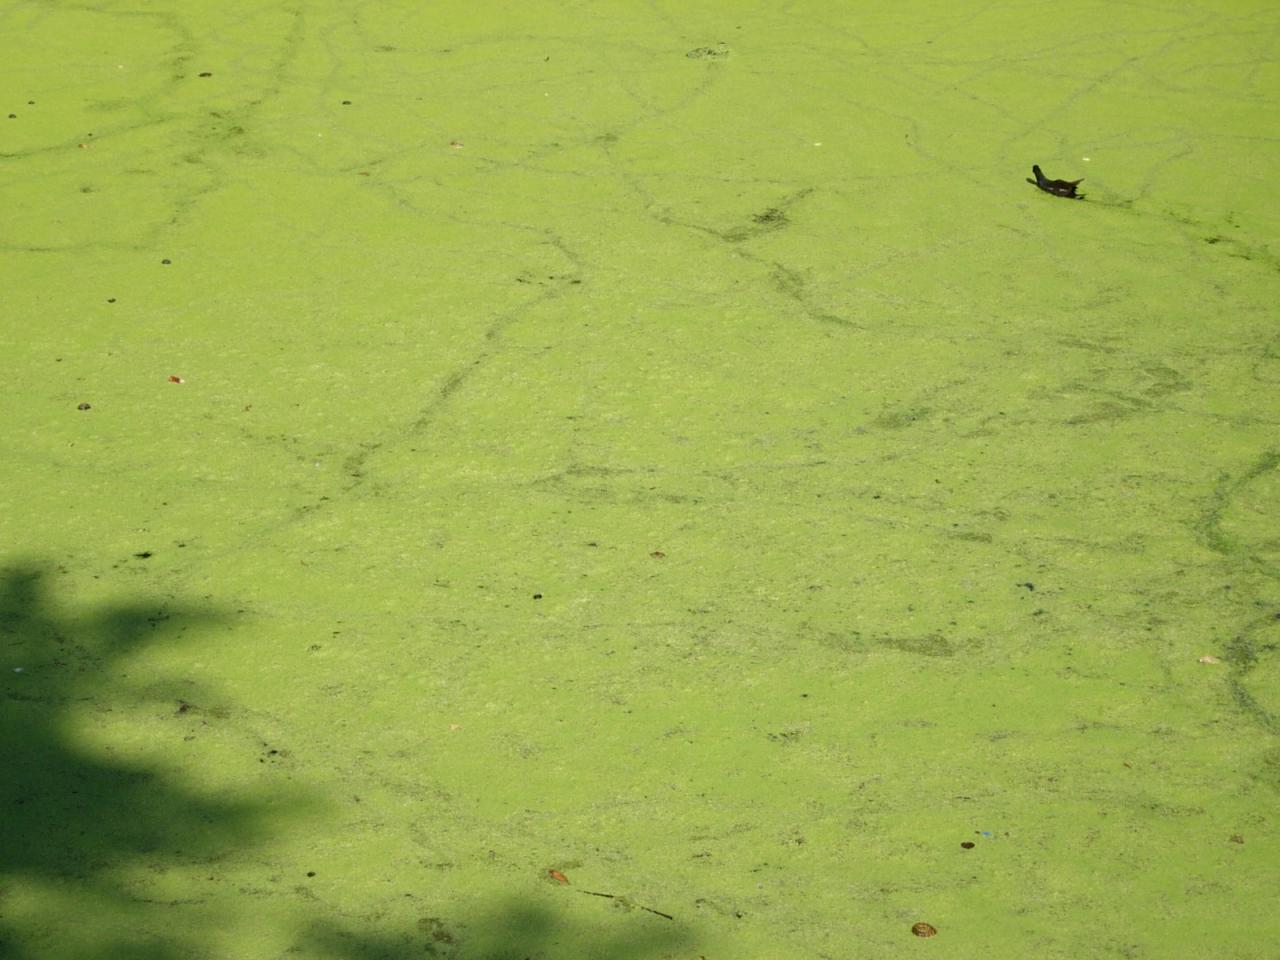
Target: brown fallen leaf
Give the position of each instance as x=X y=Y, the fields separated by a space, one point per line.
x=1209 y=659
x=557 y=876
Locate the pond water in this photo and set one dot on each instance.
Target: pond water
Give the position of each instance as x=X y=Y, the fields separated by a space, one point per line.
x=638 y=481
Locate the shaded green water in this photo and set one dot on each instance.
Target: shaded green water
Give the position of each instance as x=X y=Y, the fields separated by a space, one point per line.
x=667 y=445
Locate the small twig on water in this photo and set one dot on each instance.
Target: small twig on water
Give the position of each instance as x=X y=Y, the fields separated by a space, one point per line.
x=614 y=896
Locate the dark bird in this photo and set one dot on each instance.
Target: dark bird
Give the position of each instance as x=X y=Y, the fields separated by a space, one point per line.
x=1059 y=188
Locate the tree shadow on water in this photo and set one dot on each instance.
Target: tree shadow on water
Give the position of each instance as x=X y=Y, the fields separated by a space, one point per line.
x=107 y=852
x=80 y=821
x=514 y=929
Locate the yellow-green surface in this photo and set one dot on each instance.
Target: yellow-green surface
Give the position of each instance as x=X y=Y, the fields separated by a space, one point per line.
x=669 y=444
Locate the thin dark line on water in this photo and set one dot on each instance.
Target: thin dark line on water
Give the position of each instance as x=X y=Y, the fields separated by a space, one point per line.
x=614 y=896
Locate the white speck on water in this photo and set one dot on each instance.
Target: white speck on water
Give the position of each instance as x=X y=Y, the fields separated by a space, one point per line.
x=19 y=669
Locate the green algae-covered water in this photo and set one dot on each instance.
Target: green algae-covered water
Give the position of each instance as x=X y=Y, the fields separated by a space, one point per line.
x=633 y=481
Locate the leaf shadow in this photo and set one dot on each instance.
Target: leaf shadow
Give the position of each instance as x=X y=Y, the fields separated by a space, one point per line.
x=512 y=929
x=96 y=837
x=78 y=817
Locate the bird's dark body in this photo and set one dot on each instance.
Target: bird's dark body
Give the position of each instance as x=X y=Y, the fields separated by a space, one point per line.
x=1059 y=188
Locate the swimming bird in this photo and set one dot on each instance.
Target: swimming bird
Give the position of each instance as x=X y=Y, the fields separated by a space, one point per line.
x=1059 y=188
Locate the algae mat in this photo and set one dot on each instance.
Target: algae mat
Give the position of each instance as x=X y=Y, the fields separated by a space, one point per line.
x=639 y=481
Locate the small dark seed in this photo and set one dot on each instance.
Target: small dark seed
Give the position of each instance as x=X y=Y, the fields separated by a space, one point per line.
x=84 y=406
x=346 y=103
x=111 y=299
x=206 y=74
x=166 y=261
x=968 y=844
x=537 y=596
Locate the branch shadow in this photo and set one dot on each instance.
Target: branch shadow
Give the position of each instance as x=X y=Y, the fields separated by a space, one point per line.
x=514 y=929
x=76 y=817
x=87 y=824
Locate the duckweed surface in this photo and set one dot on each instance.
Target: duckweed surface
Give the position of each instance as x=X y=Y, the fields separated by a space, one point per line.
x=635 y=481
